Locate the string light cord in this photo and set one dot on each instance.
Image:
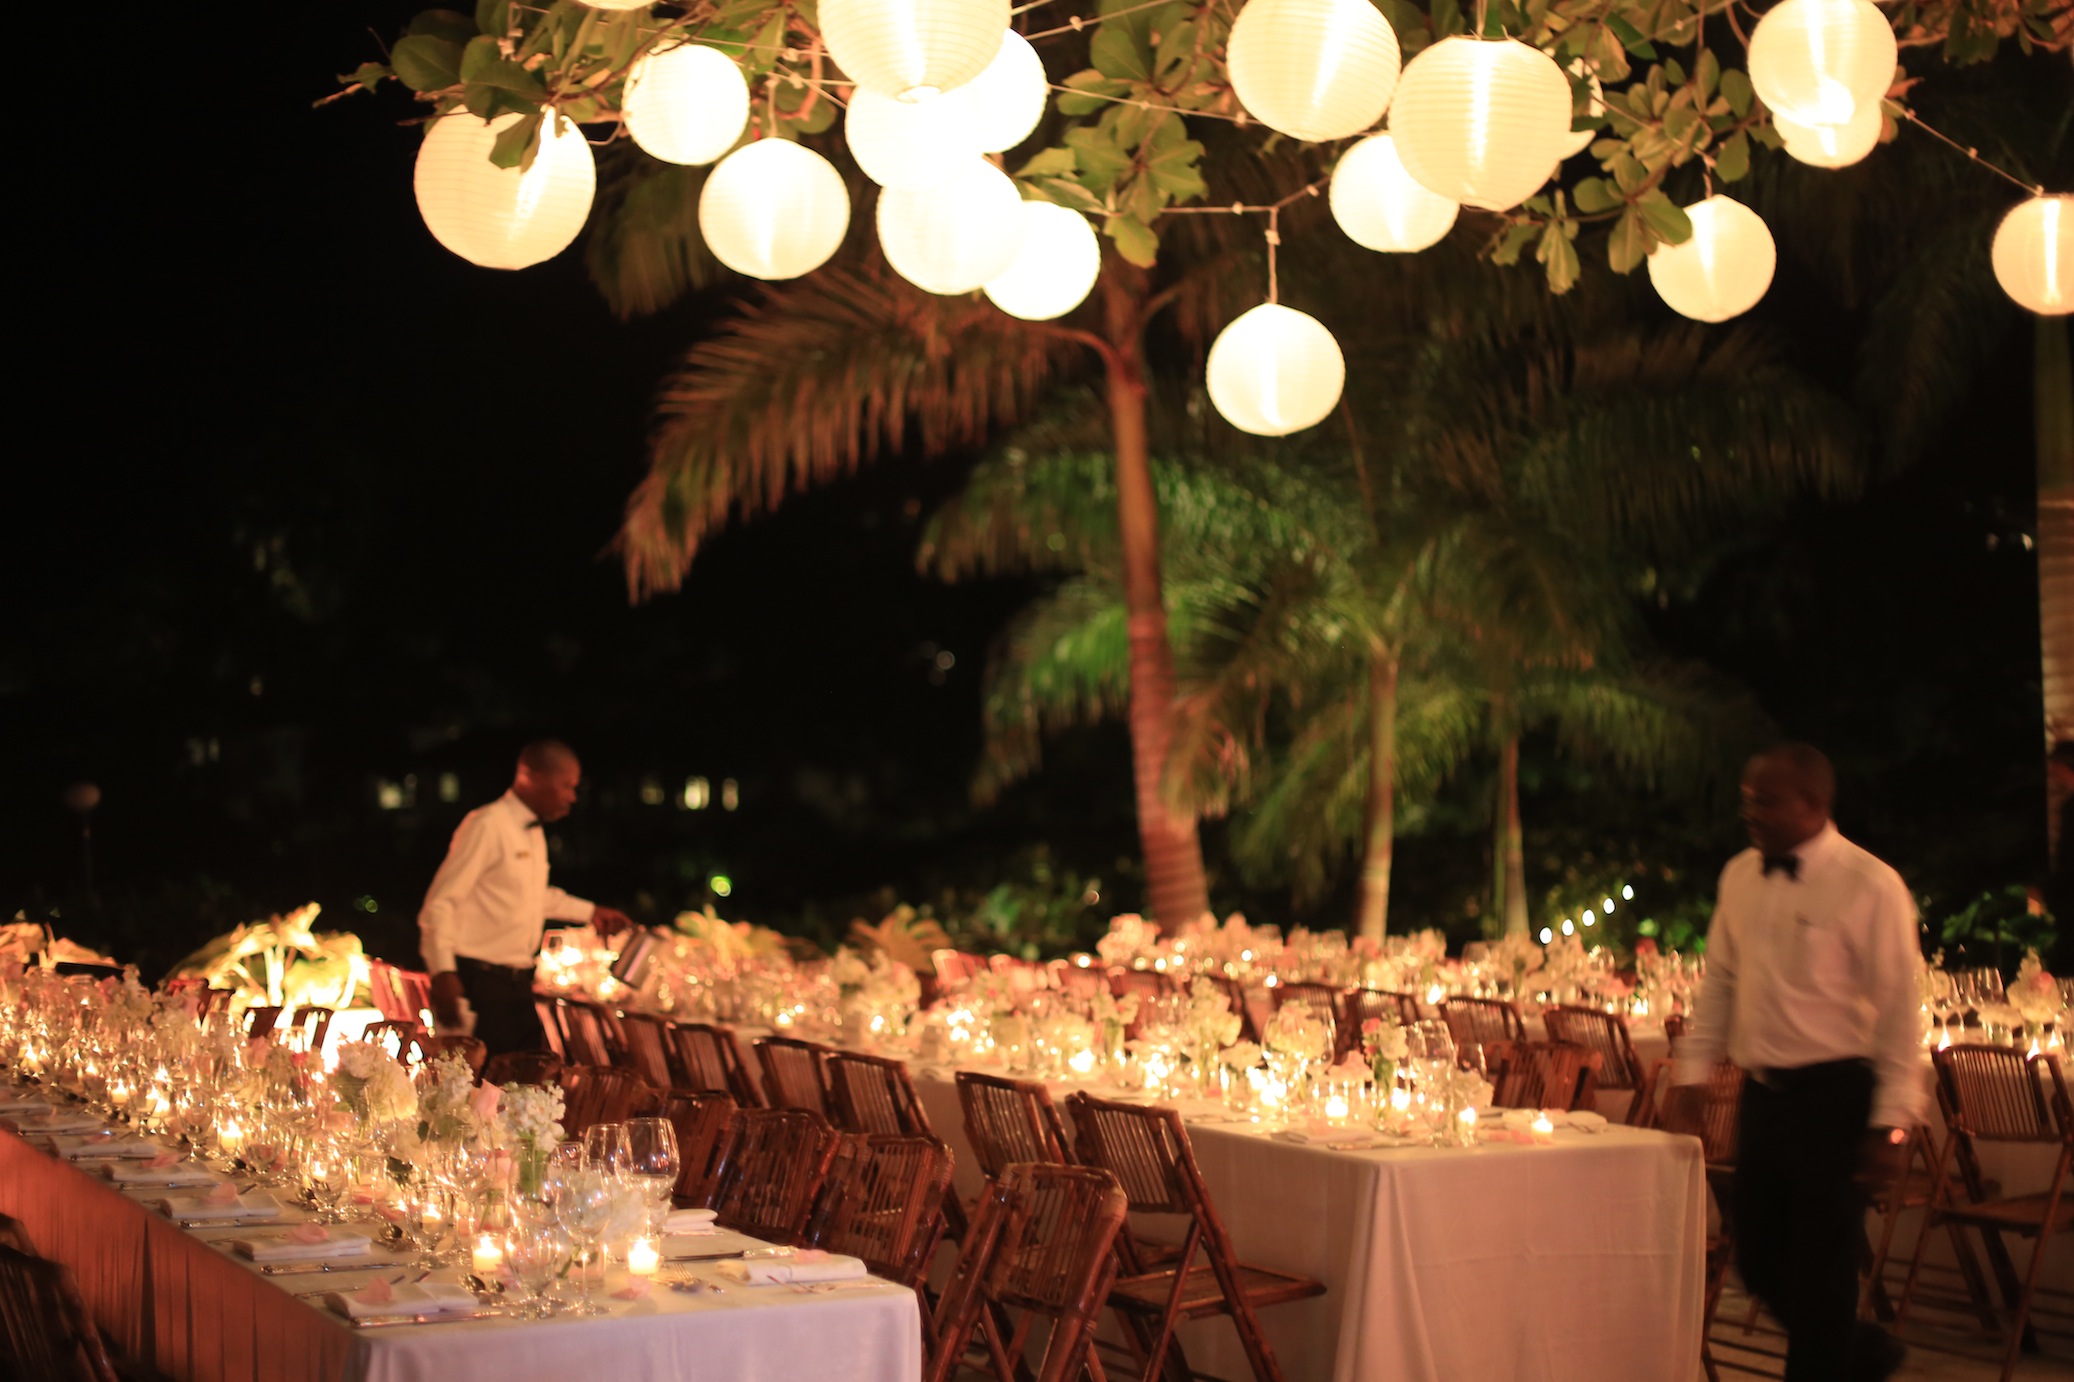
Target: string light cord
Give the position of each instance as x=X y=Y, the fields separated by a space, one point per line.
x=2034 y=189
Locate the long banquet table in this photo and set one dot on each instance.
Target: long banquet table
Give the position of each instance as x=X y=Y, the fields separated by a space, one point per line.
x=179 y=1300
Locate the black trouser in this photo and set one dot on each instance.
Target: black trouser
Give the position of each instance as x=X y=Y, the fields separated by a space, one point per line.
x=505 y=1018
x=1799 y=1211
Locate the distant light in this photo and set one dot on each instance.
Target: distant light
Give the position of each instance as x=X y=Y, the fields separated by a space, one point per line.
x=1627 y=893
x=721 y=884
x=697 y=793
x=388 y=795
x=1546 y=935
x=449 y=786
x=1570 y=930
x=946 y=660
x=1645 y=928
x=730 y=794
x=1588 y=917
x=366 y=904
x=1606 y=906
x=652 y=793
x=258 y=687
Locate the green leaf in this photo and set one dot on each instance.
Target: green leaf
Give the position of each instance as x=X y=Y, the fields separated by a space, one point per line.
x=1120 y=54
x=493 y=17
x=1608 y=58
x=1135 y=240
x=426 y=63
x=1065 y=192
x=516 y=144
x=1709 y=73
x=1732 y=161
x=1667 y=220
x=1085 y=92
x=1628 y=172
x=1631 y=38
x=1054 y=162
x=1594 y=195
x=1629 y=243
x=446 y=24
x=1517 y=237
x=1559 y=256
x=1101 y=162
x=367 y=74
x=1735 y=85
x=1176 y=169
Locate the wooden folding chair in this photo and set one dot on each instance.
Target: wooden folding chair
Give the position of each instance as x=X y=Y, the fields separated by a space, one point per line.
x=1479 y=1022
x=792 y=1076
x=261 y=1022
x=522 y=1067
x=703 y=1123
x=1043 y=1245
x=873 y=1094
x=1146 y=983
x=1235 y=998
x=1608 y=1035
x=1998 y=1094
x=1397 y=1009
x=709 y=1062
x=215 y=1001
x=882 y=1201
x=1546 y=1074
x=1715 y=1124
x=423 y=1049
x=1078 y=981
x=394 y=1037
x=955 y=967
x=307 y=1029
x=44 y=1324
x=771 y=1172
x=1322 y=996
x=647 y=1048
x=583 y=1033
x=548 y=1009
x=1007 y=1121
x=601 y=1094
x=1148 y=1151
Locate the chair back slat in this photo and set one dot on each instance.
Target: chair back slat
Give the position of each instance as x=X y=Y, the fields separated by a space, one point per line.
x=703 y=1123
x=1482 y=1021
x=882 y=1201
x=522 y=1067
x=792 y=1076
x=1008 y=1121
x=772 y=1170
x=583 y=1033
x=395 y=1037
x=873 y=1094
x=647 y=1048
x=424 y=1049
x=1546 y=1074
x=602 y=1094
x=1397 y=1009
x=261 y=1022
x=1604 y=1033
x=710 y=1062
x=1998 y=1094
x=1145 y=1148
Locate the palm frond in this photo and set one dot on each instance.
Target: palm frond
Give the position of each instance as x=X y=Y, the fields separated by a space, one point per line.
x=1063 y=661
x=644 y=250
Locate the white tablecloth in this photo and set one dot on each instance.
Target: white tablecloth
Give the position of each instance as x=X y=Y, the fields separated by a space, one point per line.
x=176 y=1298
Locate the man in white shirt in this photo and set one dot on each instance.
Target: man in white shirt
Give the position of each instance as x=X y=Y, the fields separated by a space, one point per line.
x=483 y=915
x=1811 y=988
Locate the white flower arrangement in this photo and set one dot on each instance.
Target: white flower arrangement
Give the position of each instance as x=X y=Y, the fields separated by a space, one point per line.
x=1130 y=936
x=1211 y=1023
x=531 y=1113
x=446 y=1100
x=373 y=1084
x=1293 y=1031
x=2034 y=993
x=1241 y=1055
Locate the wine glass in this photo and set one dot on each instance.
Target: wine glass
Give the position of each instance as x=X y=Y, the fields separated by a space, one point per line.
x=652 y=1160
x=587 y=1203
x=535 y=1249
x=605 y=1148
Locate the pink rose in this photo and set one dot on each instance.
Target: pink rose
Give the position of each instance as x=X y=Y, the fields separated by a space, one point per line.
x=309 y=1233
x=226 y=1193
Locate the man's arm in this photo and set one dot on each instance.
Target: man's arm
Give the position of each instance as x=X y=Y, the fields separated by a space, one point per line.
x=1893 y=969
x=466 y=858
x=1705 y=1042
x=561 y=906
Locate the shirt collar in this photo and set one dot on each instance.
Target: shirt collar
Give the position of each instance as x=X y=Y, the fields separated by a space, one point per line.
x=510 y=802
x=1817 y=846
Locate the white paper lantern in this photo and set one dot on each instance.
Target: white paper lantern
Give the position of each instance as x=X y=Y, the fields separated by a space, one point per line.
x=502 y=218
x=1580 y=140
x=1725 y=267
x=774 y=209
x=1482 y=123
x=1054 y=270
x=1833 y=146
x=617 y=4
x=1314 y=69
x=1380 y=206
x=903 y=144
x=2034 y=254
x=1005 y=102
x=913 y=49
x=1275 y=371
x=955 y=236
x=1817 y=61
x=687 y=104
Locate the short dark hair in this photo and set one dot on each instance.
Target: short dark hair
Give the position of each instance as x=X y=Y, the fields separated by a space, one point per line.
x=1810 y=767
x=545 y=755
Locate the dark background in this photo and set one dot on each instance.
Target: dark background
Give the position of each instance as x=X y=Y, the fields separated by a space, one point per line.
x=302 y=505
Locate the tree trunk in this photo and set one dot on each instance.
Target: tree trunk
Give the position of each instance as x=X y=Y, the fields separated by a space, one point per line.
x=2053 y=405
x=1508 y=852
x=1382 y=794
x=1174 y=886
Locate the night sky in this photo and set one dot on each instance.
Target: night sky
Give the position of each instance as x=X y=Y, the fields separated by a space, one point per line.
x=308 y=504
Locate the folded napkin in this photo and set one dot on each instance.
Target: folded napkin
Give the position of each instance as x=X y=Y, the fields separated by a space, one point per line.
x=302 y=1244
x=256 y=1205
x=129 y=1148
x=186 y=1173
x=422 y=1298
x=808 y=1265
x=57 y=1120
x=1325 y=1135
x=11 y=1104
x=1585 y=1120
x=689 y=1221
x=1522 y=1119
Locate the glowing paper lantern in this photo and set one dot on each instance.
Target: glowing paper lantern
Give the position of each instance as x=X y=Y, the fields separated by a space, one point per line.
x=1379 y=205
x=2034 y=254
x=1817 y=61
x=956 y=235
x=1482 y=123
x=1005 y=102
x=1833 y=146
x=1314 y=69
x=913 y=49
x=1725 y=267
x=502 y=218
x=1580 y=140
x=774 y=209
x=618 y=4
x=1275 y=371
x=902 y=144
x=687 y=104
x=1053 y=270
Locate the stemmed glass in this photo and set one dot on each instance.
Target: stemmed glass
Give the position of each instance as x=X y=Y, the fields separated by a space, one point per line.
x=605 y=1147
x=535 y=1249
x=652 y=1163
x=587 y=1202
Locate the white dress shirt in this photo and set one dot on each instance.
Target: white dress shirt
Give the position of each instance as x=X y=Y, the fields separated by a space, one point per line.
x=490 y=900
x=1821 y=968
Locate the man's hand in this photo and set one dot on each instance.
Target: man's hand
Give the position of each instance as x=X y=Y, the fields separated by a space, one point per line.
x=446 y=998
x=608 y=921
x=1881 y=1159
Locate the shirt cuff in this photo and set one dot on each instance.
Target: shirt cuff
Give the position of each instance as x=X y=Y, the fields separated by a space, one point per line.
x=1687 y=1071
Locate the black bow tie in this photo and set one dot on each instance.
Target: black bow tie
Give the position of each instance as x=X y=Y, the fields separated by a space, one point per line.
x=1788 y=864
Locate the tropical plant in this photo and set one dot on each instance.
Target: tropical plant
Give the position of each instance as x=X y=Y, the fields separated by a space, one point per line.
x=283 y=960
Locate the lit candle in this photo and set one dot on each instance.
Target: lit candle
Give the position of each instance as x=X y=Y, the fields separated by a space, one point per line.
x=1335 y=1108
x=231 y=1136
x=1467 y=1118
x=118 y=1095
x=487 y=1256
x=1400 y=1099
x=643 y=1257
x=1081 y=1062
x=1542 y=1129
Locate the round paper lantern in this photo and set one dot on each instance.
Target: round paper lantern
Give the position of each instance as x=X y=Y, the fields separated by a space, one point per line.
x=1580 y=140
x=1314 y=69
x=913 y=49
x=687 y=104
x=617 y=4
x=1482 y=123
x=1723 y=269
x=1833 y=146
x=1005 y=102
x=502 y=218
x=1379 y=205
x=954 y=236
x=1275 y=371
x=2034 y=254
x=1816 y=61
x=903 y=144
x=774 y=209
x=1055 y=268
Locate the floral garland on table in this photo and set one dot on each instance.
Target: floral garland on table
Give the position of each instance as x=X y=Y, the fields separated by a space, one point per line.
x=1294 y=1033
x=373 y=1086
x=2034 y=993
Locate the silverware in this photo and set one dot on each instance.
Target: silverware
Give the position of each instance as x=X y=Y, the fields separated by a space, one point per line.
x=437 y=1317
x=735 y=1256
x=300 y=1268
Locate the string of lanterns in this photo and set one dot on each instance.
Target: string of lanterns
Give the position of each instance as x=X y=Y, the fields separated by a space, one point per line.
x=939 y=85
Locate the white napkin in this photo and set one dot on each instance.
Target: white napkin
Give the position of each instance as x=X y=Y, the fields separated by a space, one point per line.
x=279 y=1247
x=257 y=1204
x=1522 y=1119
x=422 y=1298
x=11 y=1104
x=791 y=1270
x=134 y=1148
x=1585 y=1120
x=58 y=1120
x=689 y=1221
x=179 y=1174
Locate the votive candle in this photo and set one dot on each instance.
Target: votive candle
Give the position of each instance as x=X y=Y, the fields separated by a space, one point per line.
x=487 y=1255
x=643 y=1257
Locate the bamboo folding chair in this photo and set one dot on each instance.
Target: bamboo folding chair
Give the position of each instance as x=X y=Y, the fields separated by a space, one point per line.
x=876 y=1095
x=646 y=1049
x=601 y=1094
x=1715 y=1124
x=1235 y=996
x=1008 y=1121
x=1605 y=1033
x=1999 y=1094
x=394 y=1037
x=1321 y=998
x=307 y=1029
x=1398 y=1009
x=771 y=1172
x=955 y=967
x=1148 y=1151
x=422 y=1049
x=1479 y=1022
x=583 y=1033
x=882 y=1201
x=702 y=1123
x=44 y=1325
x=1078 y=981
x=261 y=1022
x=1912 y=1189
x=550 y=1016
x=215 y=1001
x=709 y=1062
x=1042 y=1245
x=792 y=1075
x=1146 y=983
x=523 y=1067
x=1546 y=1074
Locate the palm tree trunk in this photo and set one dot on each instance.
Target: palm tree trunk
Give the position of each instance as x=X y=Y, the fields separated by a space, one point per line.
x=2053 y=406
x=1382 y=794
x=1174 y=886
x=1508 y=853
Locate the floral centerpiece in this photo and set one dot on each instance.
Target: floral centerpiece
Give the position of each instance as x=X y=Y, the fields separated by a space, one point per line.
x=2034 y=993
x=1386 y=1045
x=373 y=1086
x=528 y=1121
x=876 y=994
